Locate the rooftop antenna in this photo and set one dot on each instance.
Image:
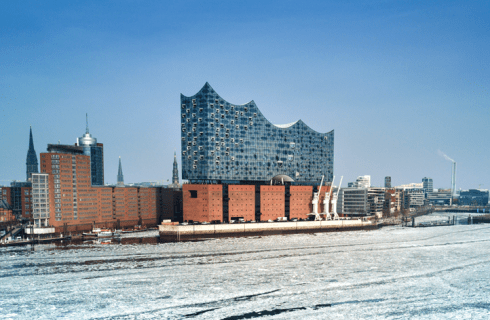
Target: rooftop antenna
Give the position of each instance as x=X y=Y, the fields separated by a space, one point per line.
x=86 y=120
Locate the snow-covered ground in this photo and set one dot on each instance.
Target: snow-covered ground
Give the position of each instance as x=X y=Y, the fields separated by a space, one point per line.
x=391 y=273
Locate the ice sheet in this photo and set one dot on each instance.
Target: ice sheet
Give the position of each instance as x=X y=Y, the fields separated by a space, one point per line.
x=391 y=273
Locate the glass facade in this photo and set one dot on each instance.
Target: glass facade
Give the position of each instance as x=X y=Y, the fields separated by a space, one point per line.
x=227 y=142
x=97 y=165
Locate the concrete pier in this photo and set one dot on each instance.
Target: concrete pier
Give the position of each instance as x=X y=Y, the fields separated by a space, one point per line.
x=189 y=232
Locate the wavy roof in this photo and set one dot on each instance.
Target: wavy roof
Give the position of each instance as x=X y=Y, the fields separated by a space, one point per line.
x=207 y=87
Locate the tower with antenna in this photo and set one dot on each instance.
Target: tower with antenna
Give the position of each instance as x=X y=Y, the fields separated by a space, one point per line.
x=32 y=166
x=96 y=152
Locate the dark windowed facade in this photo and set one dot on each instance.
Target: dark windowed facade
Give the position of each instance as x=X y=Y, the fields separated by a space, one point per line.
x=228 y=142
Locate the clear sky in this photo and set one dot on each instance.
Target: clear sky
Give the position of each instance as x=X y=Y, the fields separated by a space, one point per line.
x=396 y=80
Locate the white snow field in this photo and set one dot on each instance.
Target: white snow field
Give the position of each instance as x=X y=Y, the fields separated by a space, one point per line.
x=390 y=273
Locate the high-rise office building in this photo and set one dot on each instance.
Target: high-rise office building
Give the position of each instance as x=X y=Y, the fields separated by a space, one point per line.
x=96 y=153
x=224 y=142
x=387 y=182
x=32 y=165
x=427 y=185
x=120 y=176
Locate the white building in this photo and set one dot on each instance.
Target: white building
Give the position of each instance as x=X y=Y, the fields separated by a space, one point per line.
x=363 y=182
x=40 y=199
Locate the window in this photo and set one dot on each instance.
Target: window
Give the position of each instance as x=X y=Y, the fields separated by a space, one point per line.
x=193 y=193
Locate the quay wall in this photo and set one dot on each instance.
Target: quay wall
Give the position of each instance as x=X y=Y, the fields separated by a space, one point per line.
x=189 y=232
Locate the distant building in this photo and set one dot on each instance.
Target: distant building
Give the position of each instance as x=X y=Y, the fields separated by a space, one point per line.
x=120 y=176
x=353 y=201
x=21 y=199
x=363 y=182
x=96 y=153
x=387 y=182
x=361 y=201
x=6 y=214
x=411 y=186
x=375 y=201
x=416 y=197
x=474 y=197
x=440 y=197
x=427 y=185
x=32 y=165
x=41 y=208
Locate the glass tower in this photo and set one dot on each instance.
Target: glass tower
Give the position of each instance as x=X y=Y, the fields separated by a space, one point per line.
x=225 y=142
x=96 y=152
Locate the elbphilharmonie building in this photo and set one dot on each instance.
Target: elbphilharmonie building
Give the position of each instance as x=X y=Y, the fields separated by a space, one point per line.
x=224 y=142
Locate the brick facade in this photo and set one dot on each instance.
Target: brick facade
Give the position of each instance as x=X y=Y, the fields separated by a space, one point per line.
x=272 y=202
x=202 y=202
x=242 y=202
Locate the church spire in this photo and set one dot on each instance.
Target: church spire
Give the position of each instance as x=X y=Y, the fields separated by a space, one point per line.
x=175 y=171
x=31 y=161
x=120 y=177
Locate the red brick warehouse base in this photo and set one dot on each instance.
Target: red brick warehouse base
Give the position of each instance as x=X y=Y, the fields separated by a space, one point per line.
x=203 y=202
x=242 y=202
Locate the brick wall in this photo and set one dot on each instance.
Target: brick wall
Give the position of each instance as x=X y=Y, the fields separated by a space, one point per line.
x=202 y=202
x=242 y=202
x=272 y=202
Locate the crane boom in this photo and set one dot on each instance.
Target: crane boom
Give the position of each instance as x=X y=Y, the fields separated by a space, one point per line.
x=321 y=185
x=338 y=190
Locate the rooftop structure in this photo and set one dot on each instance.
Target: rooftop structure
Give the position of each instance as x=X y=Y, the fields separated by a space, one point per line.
x=387 y=182
x=96 y=153
x=427 y=185
x=120 y=176
x=32 y=166
x=224 y=142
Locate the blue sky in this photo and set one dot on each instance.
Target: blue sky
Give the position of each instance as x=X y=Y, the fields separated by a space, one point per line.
x=396 y=80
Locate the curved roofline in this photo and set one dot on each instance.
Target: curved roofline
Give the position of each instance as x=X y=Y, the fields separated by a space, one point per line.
x=279 y=126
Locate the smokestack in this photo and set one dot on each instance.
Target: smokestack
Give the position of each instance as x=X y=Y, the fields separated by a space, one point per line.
x=453 y=175
x=453 y=181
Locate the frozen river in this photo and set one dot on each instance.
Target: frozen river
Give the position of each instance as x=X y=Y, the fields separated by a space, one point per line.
x=391 y=273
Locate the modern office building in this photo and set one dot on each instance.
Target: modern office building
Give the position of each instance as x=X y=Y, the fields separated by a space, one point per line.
x=428 y=185
x=225 y=142
x=361 y=201
x=32 y=165
x=375 y=201
x=120 y=176
x=388 y=182
x=439 y=197
x=21 y=199
x=474 y=197
x=95 y=151
x=416 y=197
x=353 y=201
